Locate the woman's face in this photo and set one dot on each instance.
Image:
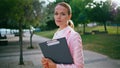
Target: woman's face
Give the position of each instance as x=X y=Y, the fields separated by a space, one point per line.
x=61 y=16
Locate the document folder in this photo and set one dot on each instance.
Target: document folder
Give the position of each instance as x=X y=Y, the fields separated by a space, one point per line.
x=57 y=50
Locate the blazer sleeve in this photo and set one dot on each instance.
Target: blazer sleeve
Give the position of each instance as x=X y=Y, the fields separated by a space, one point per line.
x=75 y=45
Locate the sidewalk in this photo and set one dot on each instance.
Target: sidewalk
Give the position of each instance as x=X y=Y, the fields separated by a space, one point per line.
x=9 y=55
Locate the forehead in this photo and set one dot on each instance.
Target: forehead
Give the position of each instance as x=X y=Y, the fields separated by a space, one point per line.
x=60 y=8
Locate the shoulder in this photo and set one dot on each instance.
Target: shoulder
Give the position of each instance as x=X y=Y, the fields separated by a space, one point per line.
x=74 y=36
x=73 y=33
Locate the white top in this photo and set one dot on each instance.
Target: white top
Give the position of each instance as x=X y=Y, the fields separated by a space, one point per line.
x=61 y=33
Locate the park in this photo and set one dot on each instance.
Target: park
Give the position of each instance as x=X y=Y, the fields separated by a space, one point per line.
x=27 y=23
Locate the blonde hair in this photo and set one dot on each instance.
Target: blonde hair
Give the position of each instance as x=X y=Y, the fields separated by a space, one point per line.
x=66 y=5
x=71 y=24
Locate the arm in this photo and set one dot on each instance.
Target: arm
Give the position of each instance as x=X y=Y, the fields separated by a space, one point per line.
x=75 y=44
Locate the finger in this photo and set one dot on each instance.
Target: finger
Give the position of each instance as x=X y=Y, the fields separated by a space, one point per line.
x=45 y=66
x=49 y=60
x=44 y=62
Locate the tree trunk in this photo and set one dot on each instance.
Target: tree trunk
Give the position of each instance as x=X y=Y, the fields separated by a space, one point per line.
x=105 y=27
x=83 y=28
x=31 y=35
x=21 y=43
x=117 y=30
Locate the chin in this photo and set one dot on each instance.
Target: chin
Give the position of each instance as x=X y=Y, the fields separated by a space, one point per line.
x=57 y=24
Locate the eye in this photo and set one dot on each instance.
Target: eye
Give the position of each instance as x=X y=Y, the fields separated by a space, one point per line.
x=55 y=13
x=63 y=14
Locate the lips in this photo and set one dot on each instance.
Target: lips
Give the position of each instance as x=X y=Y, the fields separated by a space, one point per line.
x=58 y=21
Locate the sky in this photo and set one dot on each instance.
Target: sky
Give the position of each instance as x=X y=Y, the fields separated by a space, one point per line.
x=48 y=1
x=99 y=0
x=116 y=1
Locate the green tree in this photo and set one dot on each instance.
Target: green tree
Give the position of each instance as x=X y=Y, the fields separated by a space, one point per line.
x=78 y=9
x=79 y=15
x=68 y=1
x=47 y=17
x=19 y=13
x=32 y=17
x=117 y=18
x=5 y=8
x=9 y=11
x=99 y=12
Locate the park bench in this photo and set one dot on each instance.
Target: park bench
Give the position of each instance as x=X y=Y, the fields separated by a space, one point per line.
x=98 y=32
x=95 y=32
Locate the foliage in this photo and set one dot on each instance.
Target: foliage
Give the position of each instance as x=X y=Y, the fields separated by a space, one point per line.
x=80 y=16
x=78 y=11
x=38 y=9
x=11 y=14
x=51 y=25
x=20 y=13
x=47 y=16
x=6 y=7
x=68 y=1
x=117 y=16
x=99 y=12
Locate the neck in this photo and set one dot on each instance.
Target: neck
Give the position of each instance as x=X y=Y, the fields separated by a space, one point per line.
x=62 y=27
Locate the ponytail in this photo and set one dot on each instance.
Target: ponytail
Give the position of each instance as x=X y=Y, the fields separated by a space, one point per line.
x=71 y=24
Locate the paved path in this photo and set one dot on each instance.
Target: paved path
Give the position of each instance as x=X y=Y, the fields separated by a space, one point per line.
x=9 y=55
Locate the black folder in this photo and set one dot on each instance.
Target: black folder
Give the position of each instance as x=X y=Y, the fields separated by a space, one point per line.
x=57 y=50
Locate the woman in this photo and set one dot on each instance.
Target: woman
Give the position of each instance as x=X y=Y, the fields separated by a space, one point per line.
x=62 y=16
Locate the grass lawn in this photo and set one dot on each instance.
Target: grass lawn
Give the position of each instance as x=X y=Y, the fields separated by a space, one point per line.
x=48 y=34
x=107 y=44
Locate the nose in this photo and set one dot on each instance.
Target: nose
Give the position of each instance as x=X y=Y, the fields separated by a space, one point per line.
x=58 y=16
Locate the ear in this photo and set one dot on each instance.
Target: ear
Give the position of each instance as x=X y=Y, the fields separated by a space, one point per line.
x=70 y=16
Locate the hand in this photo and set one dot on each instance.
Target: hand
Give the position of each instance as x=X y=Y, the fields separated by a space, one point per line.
x=51 y=64
x=47 y=63
x=44 y=63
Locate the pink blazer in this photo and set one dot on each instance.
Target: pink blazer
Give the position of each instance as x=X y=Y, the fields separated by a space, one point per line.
x=75 y=45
